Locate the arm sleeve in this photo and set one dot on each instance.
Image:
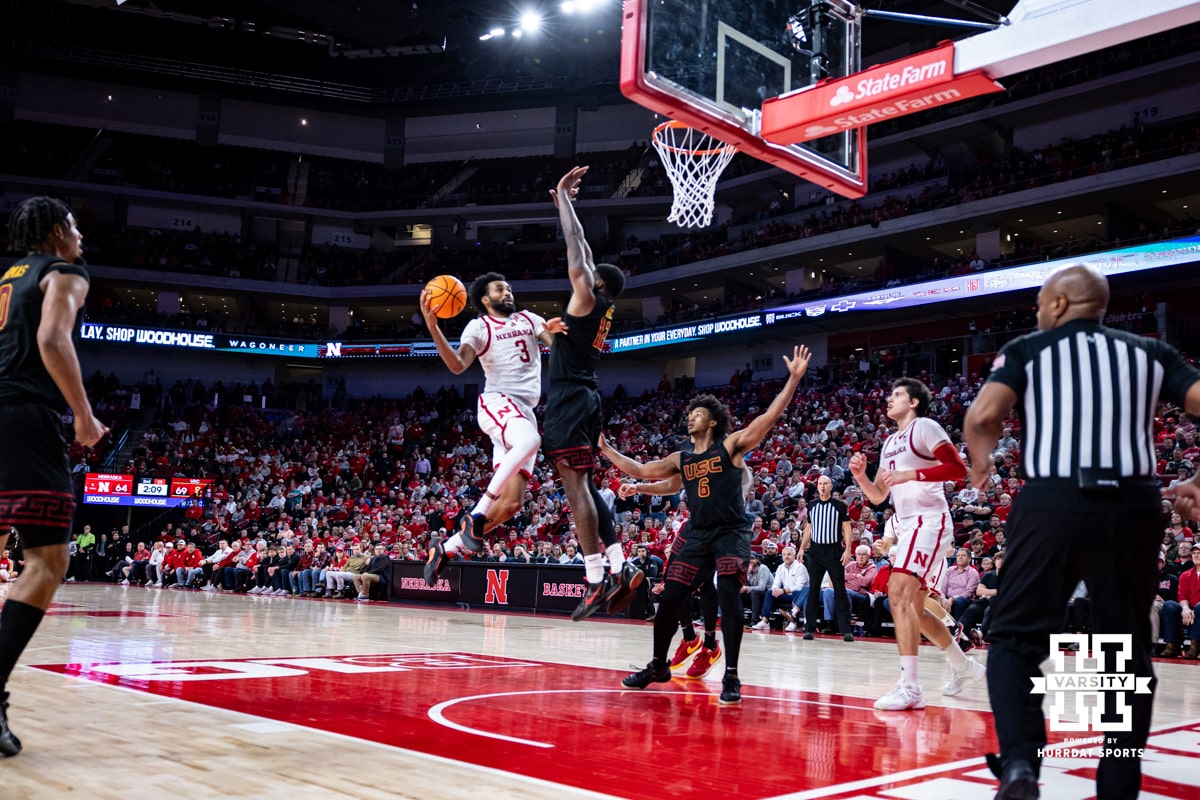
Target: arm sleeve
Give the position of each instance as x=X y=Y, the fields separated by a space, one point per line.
x=950 y=465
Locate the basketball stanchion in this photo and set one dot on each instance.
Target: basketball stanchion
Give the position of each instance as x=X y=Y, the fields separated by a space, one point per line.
x=694 y=162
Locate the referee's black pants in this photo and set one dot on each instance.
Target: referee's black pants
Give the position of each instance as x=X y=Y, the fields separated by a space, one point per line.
x=819 y=559
x=1057 y=536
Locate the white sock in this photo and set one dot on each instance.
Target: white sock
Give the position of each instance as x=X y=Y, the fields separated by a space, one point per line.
x=454 y=544
x=954 y=655
x=616 y=558
x=485 y=503
x=908 y=670
x=593 y=565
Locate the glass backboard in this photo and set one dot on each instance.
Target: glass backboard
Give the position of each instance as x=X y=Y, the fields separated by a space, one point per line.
x=712 y=63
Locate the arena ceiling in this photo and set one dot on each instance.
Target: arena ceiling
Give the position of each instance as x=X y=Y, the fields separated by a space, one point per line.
x=385 y=46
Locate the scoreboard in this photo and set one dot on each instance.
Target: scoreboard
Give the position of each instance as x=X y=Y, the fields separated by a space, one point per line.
x=114 y=489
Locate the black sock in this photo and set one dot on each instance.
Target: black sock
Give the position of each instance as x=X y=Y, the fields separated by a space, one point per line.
x=731 y=672
x=18 y=622
x=730 y=599
x=666 y=621
x=689 y=634
x=710 y=640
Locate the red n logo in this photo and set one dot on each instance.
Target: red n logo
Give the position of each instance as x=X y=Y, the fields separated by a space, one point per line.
x=497 y=587
x=921 y=558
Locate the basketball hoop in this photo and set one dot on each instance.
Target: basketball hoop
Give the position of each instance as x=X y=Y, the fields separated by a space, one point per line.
x=694 y=161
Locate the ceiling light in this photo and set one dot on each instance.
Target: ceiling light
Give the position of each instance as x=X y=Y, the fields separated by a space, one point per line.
x=530 y=21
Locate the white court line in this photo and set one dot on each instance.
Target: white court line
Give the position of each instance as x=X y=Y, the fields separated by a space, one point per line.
x=921 y=772
x=449 y=763
x=437 y=713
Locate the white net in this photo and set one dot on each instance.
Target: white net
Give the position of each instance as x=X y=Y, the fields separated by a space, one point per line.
x=694 y=161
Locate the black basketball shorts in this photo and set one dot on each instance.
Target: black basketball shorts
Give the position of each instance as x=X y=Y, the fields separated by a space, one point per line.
x=723 y=550
x=36 y=496
x=571 y=426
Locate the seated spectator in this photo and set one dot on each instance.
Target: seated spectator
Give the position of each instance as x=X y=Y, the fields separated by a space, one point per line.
x=239 y=574
x=8 y=568
x=545 y=554
x=860 y=574
x=570 y=555
x=881 y=609
x=1189 y=600
x=216 y=562
x=354 y=564
x=758 y=583
x=322 y=558
x=188 y=569
x=1167 y=613
x=790 y=588
x=122 y=566
x=154 y=564
x=264 y=573
x=977 y=612
x=958 y=584
x=377 y=570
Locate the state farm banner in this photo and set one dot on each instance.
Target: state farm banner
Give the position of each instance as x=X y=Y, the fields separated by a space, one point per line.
x=916 y=83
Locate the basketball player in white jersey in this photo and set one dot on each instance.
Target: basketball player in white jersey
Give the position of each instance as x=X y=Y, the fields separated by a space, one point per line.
x=914 y=462
x=505 y=342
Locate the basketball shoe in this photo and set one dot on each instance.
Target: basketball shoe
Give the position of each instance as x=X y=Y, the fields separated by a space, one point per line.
x=902 y=697
x=10 y=745
x=595 y=597
x=959 y=679
x=653 y=673
x=731 y=691
x=436 y=561
x=685 y=651
x=703 y=663
x=624 y=585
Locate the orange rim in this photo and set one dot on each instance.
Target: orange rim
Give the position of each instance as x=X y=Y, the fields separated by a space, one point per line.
x=724 y=148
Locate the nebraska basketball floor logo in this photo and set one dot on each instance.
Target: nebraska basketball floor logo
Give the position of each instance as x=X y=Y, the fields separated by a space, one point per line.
x=532 y=717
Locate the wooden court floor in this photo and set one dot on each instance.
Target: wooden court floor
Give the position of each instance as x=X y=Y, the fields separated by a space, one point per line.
x=141 y=693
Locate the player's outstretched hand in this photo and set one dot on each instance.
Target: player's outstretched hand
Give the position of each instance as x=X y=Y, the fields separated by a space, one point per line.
x=569 y=184
x=797 y=365
x=626 y=491
x=555 y=325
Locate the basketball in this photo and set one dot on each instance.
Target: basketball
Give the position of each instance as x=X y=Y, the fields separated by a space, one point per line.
x=447 y=296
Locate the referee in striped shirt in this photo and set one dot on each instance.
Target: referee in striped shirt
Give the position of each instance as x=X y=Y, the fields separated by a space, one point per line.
x=827 y=530
x=1090 y=509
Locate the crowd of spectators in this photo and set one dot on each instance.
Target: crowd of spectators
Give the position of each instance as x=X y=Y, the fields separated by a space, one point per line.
x=391 y=472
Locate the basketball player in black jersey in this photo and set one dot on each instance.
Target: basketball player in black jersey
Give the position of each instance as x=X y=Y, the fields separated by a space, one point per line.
x=41 y=302
x=720 y=533
x=572 y=423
